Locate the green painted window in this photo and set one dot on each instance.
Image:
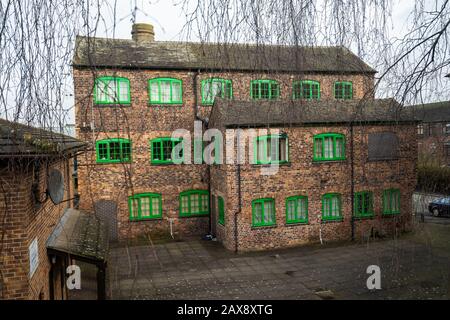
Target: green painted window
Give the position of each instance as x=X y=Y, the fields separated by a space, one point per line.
x=162 y=149
x=329 y=146
x=331 y=207
x=263 y=212
x=113 y=150
x=112 y=90
x=363 y=204
x=264 y=89
x=343 y=90
x=391 y=201
x=297 y=209
x=221 y=207
x=165 y=91
x=194 y=203
x=216 y=87
x=271 y=149
x=145 y=206
x=306 y=89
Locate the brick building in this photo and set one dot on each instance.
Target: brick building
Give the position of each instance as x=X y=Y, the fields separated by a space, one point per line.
x=130 y=95
x=434 y=132
x=30 y=159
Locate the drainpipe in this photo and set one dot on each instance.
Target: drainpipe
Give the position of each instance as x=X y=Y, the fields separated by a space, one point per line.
x=195 y=89
x=352 y=183
x=238 y=156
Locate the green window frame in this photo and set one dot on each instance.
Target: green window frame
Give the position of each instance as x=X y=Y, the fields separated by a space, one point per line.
x=264 y=153
x=329 y=147
x=161 y=150
x=263 y=212
x=194 y=203
x=306 y=89
x=112 y=90
x=343 y=90
x=363 y=204
x=145 y=206
x=113 y=150
x=297 y=209
x=391 y=201
x=331 y=207
x=216 y=87
x=165 y=91
x=221 y=209
x=264 y=89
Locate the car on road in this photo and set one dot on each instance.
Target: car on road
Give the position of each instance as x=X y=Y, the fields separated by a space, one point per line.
x=440 y=207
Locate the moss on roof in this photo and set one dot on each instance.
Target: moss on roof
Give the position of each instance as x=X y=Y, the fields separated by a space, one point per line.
x=121 y=53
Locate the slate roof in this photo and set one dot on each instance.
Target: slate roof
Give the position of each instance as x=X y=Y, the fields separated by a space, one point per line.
x=122 y=53
x=226 y=113
x=21 y=140
x=433 y=112
x=80 y=235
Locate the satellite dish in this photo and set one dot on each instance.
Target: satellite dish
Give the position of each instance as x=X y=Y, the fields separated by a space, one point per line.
x=55 y=186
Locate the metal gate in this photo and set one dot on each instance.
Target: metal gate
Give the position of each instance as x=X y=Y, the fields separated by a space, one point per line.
x=106 y=211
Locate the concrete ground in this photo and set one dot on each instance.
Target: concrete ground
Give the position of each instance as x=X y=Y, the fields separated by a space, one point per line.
x=415 y=266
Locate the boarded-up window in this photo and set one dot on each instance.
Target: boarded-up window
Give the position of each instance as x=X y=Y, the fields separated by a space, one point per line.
x=383 y=146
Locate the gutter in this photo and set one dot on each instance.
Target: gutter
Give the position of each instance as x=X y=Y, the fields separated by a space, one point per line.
x=352 y=182
x=238 y=212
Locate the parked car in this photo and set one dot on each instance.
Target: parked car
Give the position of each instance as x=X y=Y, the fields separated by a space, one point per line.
x=440 y=207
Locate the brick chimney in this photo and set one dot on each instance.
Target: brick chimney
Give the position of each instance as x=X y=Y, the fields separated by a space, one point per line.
x=142 y=33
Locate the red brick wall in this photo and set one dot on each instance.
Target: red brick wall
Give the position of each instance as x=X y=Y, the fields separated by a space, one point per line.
x=22 y=224
x=305 y=177
x=141 y=122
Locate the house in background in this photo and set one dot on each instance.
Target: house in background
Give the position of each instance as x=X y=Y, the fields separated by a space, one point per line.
x=36 y=193
x=130 y=95
x=434 y=132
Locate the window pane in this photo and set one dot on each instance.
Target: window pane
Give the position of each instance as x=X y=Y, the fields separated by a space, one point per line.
x=255 y=90
x=282 y=149
x=257 y=211
x=264 y=87
x=318 y=148
x=134 y=208
x=260 y=149
x=274 y=87
x=339 y=147
x=328 y=147
x=291 y=210
x=184 y=204
x=154 y=91
x=103 y=151
x=205 y=202
x=155 y=206
x=101 y=91
x=124 y=94
x=335 y=206
x=228 y=90
x=347 y=91
x=111 y=91
x=301 y=208
x=167 y=150
x=176 y=92
x=145 y=207
x=126 y=151
x=315 y=91
x=165 y=91
x=306 y=90
x=297 y=90
x=326 y=207
x=195 y=203
x=268 y=212
x=114 y=151
x=156 y=150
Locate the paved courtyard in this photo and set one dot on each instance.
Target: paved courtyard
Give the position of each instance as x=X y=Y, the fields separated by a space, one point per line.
x=414 y=267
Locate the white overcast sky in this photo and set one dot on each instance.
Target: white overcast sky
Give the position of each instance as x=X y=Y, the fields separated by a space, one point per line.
x=168 y=19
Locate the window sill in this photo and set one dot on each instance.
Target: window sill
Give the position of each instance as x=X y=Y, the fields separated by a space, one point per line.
x=271 y=226
x=382 y=160
x=287 y=163
x=363 y=217
x=332 y=220
x=146 y=219
x=390 y=215
x=112 y=105
x=163 y=105
x=330 y=161
x=106 y=162
x=294 y=224
x=206 y=215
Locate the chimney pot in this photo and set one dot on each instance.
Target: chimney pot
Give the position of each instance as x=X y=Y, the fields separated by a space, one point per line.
x=142 y=33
